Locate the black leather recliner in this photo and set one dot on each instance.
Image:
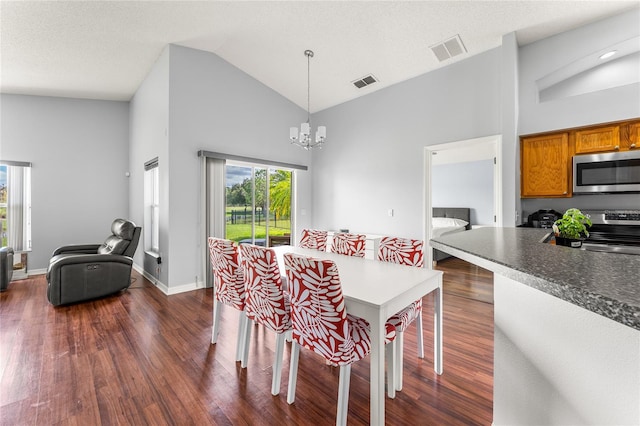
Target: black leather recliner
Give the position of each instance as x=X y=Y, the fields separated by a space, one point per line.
x=82 y=272
x=6 y=267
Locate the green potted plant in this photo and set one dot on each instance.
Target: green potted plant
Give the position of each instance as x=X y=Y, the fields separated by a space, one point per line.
x=571 y=228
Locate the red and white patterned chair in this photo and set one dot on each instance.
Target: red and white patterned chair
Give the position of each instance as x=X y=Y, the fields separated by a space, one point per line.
x=321 y=324
x=408 y=252
x=314 y=239
x=228 y=286
x=266 y=302
x=348 y=244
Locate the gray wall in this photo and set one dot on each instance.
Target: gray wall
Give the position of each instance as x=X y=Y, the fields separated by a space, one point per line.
x=468 y=184
x=79 y=151
x=212 y=106
x=373 y=158
x=615 y=103
x=149 y=138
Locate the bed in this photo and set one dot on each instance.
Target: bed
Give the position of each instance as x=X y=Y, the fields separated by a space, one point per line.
x=448 y=220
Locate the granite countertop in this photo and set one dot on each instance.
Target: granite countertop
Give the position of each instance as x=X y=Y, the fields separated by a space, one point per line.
x=605 y=283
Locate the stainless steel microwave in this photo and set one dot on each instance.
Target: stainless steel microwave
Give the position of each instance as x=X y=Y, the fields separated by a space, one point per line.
x=609 y=172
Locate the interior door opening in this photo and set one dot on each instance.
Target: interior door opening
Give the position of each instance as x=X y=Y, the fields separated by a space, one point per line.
x=462 y=151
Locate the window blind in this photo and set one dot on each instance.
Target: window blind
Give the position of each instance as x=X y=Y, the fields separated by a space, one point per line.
x=151 y=164
x=255 y=161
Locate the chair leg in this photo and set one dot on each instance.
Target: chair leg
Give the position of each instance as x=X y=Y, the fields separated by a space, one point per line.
x=343 y=395
x=293 y=372
x=216 y=321
x=419 y=335
x=399 y=359
x=242 y=328
x=246 y=336
x=390 y=356
x=277 y=364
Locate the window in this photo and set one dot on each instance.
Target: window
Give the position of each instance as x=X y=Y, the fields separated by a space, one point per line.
x=15 y=204
x=152 y=206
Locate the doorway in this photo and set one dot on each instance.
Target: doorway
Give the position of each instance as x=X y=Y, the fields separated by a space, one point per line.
x=459 y=152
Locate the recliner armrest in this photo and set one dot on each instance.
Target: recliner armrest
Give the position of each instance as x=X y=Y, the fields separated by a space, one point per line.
x=76 y=259
x=73 y=258
x=77 y=249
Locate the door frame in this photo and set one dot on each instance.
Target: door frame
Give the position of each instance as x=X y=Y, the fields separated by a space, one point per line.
x=493 y=142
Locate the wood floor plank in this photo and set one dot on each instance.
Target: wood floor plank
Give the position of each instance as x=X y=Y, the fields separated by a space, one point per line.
x=141 y=357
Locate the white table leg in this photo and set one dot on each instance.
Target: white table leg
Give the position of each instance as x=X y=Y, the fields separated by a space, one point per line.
x=437 y=329
x=377 y=370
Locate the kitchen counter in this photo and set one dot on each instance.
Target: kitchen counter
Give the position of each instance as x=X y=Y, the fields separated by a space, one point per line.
x=566 y=328
x=605 y=283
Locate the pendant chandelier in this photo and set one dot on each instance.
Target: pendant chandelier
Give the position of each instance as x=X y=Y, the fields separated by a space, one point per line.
x=303 y=139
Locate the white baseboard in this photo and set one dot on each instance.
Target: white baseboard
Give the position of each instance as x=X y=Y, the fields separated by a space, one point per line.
x=166 y=289
x=162 y=287
x=183 y=288
x=37 y=272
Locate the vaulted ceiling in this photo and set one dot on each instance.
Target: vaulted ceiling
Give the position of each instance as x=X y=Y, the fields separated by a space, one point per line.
x=104 y=49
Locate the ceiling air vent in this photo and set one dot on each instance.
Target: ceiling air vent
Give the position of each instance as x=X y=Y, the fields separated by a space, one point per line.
x=364 y=81
x=448 y=48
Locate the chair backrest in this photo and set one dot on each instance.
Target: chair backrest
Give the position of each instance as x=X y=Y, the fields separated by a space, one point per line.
x=123 y=239
x=266 y=302
x=314 y=239
x=318 y=314
x=403 y=251
x=348 y=244
x=133 y=244
x=228 y=281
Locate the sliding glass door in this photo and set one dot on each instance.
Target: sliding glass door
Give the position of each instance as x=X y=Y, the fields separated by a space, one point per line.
x=258 y=204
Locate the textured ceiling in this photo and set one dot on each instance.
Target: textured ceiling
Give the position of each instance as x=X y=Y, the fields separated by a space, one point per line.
x=104 y=49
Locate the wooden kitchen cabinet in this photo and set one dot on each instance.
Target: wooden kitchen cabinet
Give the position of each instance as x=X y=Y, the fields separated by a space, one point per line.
x=599 y=139
x=545 y=166
x=546 y=159
x=631 y=139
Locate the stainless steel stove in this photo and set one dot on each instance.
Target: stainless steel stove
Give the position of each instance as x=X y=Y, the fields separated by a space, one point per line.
x=614 y=231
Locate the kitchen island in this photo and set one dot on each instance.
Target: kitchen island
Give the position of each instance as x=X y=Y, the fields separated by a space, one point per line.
x=567 y=328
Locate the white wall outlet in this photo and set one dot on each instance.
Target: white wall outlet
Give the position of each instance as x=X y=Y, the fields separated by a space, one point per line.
x=390 y=212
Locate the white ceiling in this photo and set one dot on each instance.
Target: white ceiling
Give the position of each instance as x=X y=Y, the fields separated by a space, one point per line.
x=104 y=49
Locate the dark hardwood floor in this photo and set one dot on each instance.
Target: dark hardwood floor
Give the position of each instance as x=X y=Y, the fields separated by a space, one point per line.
x=141 y=357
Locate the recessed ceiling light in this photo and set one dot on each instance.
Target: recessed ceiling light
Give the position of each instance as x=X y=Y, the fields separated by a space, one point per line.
x=608 y=54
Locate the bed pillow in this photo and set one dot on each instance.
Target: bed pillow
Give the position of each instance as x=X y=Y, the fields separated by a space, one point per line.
x=446 y=222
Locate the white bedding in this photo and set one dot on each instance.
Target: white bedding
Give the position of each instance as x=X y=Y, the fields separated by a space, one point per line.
x=442 y=222
x=443 y=230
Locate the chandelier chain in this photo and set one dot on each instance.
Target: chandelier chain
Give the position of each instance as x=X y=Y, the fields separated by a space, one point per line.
x=309 y=54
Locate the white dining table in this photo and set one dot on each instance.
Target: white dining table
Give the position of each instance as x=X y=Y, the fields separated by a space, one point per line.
x=375 y=290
